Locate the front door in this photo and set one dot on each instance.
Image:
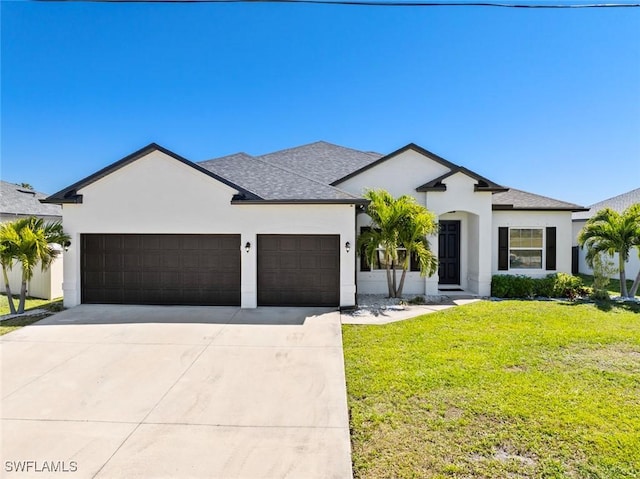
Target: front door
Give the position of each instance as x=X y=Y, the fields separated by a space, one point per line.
x=449 y=252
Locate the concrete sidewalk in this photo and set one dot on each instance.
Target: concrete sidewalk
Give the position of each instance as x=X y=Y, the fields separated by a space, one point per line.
x=188 y=392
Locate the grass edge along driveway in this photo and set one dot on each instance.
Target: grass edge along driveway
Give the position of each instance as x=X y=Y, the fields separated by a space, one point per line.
x=497 y=389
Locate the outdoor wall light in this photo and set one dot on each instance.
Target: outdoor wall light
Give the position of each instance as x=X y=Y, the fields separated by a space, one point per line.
x=247 y=247
x=347 y=246
x=66 y=245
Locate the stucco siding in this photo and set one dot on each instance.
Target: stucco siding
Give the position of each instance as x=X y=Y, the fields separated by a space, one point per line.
x=561 y=220
x=157 y=194
x=400 y=175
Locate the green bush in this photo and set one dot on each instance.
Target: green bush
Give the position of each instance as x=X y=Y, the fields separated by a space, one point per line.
x=600 y=295
x=559 y=285
x=512 y=286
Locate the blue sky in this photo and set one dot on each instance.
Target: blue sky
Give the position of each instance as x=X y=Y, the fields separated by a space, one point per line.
x=543 y=100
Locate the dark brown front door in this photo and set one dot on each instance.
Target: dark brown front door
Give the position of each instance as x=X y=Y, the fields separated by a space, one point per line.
x=298 y=270
x=160 y=269
x=449 y=252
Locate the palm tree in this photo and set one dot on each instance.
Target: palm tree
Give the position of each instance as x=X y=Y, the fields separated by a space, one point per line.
x=28 y=241
x=635 y=210
x=611 y=232
x=9 y=238
x=398 y=223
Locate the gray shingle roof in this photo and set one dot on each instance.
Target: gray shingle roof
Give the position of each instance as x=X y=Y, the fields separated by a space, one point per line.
x=322 y=161
x=618 y=203
x=15 y=200
x=522 y=200
x=272 y=182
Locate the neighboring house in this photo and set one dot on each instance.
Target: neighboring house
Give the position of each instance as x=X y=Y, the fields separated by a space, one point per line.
x=617 y=203
x=19 y=202
x=280 y=229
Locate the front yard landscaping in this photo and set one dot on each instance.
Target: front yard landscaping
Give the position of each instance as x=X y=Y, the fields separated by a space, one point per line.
x=510 y=389
x=31 y=303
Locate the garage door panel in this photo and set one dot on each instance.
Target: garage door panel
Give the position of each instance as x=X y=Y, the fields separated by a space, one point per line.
x=289 y=267
x=161 y=269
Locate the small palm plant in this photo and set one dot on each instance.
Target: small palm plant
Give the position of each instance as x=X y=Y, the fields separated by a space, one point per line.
x=28 y=242
x=611 y=232
x=398 y=223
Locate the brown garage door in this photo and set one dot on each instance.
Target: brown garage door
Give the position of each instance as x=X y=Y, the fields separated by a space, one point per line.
x=298 y=270
x=161 y=269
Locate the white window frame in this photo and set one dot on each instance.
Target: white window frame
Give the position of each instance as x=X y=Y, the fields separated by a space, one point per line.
x=528 y=248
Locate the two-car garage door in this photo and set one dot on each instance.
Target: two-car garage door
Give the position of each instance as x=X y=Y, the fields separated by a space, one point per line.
x=161 y=269
x=292 y=270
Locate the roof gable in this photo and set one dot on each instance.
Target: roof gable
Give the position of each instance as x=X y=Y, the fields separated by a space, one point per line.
x=70 y=193
x=410 y=146
x=483 y=184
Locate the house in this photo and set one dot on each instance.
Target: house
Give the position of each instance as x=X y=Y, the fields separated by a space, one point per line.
x=18 y=201
x=280 y=228
x=579 y=219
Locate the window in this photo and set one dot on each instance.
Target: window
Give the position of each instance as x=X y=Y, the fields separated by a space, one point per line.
x=525 y=248
x=381 y=263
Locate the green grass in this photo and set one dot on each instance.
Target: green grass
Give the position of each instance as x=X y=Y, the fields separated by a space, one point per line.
x=512 y=389
x=31 y=303
x=613 y=286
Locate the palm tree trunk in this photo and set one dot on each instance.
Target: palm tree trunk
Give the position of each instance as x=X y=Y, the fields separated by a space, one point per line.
x=23 y=293
x=634 y=288
x=389 y=283
x=395 y=289
x=623 y=278
x=7 y=288
x=400 y=288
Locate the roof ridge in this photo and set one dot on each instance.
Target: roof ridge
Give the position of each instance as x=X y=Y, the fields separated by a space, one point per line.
x=316 y=143
x=304 y=176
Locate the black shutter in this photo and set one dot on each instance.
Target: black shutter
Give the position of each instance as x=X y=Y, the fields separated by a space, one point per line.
x=551 y=248
x=503 y=248
x=364 y=264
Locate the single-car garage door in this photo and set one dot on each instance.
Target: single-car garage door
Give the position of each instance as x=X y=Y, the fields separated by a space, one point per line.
x=160 y=269
x=298 y=270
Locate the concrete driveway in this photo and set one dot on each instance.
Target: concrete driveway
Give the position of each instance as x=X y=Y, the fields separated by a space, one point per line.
x=180 y=392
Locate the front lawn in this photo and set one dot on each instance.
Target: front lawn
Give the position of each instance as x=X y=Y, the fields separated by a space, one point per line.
x=31 y=303
x=516 y=389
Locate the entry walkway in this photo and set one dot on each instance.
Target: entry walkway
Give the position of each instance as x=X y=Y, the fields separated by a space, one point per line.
x=176 y=392
x=392 y=314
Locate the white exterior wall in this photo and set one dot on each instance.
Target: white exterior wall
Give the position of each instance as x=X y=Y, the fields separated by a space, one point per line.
x=536 y=219
x=158 y=194
x=44 y=284
x=473 y=209
x=401 y=175
x=632 y=267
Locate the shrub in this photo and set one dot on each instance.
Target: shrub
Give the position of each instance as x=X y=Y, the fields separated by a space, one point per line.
x=600 y=295
x=567 y=286
x=559 y=285
x=543 y=287
x=510 y=286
